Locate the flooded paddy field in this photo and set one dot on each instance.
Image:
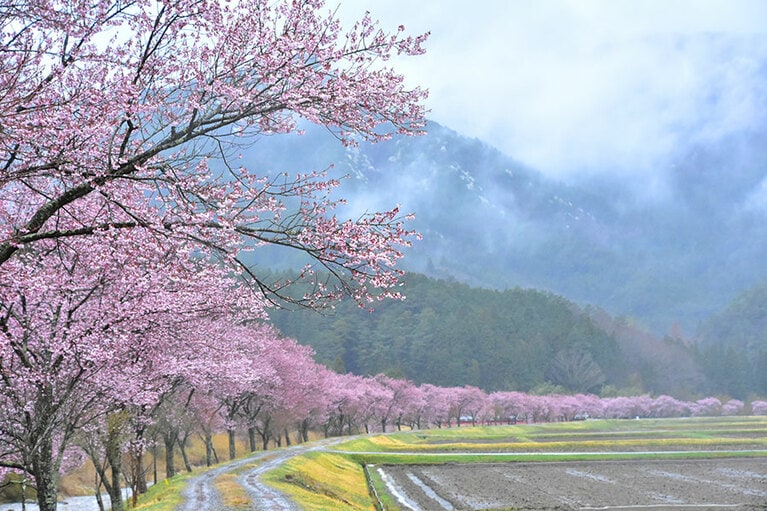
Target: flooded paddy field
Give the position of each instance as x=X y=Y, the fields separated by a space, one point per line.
x=693 y=484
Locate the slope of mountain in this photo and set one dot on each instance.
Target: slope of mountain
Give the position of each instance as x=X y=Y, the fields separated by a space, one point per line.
x=732 y=345
x=488 y=220
x=448 y=333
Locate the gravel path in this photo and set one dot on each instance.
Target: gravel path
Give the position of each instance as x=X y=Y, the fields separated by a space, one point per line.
x=201 y=495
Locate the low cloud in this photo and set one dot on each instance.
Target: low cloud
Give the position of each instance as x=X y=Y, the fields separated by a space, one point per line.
x=583 y=87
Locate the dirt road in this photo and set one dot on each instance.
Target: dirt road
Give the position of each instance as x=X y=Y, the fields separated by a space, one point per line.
x=201 y=494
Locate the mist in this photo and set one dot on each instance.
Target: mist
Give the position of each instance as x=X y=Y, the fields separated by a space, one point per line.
x=575 y=89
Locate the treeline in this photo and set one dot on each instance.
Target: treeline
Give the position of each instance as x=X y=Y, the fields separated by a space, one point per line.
x=447 y=333
x=733 y=345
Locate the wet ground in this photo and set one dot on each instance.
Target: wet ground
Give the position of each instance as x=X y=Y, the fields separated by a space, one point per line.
x=729 y=483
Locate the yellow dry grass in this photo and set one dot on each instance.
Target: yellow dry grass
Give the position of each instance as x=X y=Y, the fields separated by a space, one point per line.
x=323 y=482
x=233 y=495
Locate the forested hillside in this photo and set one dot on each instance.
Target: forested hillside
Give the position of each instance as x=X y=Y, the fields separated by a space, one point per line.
x=733 y=345
x=448 y=333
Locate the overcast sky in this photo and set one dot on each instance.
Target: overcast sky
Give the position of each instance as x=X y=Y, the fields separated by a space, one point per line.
x=572 y=87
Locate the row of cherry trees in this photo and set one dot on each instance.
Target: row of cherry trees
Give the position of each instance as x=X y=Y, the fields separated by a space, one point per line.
x=125 y=305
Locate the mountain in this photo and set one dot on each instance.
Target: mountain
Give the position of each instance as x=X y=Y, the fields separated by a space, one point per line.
x=666 y=258
x=451 y=334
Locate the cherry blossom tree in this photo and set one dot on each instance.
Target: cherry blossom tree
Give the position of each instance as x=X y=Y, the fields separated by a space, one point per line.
x=438 y=404
x=203 y=410
x=346 y=403
x=413 y=407
x=130 y=116
x=708 y=406
x=667 y=406
x=120 y=186
x=759 y=407
x=508 y=405
x=733 y=407
x=269 y=408
x=92 y=326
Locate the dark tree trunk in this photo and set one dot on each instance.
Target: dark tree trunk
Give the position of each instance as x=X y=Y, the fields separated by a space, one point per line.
x=114 y=457
x=45 y=474
x=208 y=438
x=169 y=440
x=154 y=463
x=287 y=437
x=97 y=493
x=182 y=446
x=252 y=438
x=232 y=448
x=265 y=437
x=141 y=485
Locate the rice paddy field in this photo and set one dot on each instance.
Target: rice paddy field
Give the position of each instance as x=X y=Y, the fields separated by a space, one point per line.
x=675 y=464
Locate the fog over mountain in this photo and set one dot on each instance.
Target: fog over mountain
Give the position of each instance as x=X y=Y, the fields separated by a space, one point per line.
x=487 y=220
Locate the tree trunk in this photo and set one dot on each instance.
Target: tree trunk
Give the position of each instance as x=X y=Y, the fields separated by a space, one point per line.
x=46 y=477
x=154 y=463
x=287 y=438
x=208 y=449
x=232 y=448
x=97 y=492
x=170 y=463
x=265 y=437
x=182 y=446
x=44 y=469
x=114 y=457
x=252 y=438
x=141 y=485
x=138 y=476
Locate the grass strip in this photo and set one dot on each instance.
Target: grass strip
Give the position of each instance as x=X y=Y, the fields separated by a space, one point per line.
x=233 y=495
x=431 y=459
x=700 y=433
x=163 y=496
x=388 y=501
x=322 y=481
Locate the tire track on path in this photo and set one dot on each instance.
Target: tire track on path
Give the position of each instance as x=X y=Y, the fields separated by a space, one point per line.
x=200 y=493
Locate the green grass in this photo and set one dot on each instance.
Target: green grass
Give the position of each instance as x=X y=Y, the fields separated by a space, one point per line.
x=388 y=501
x=434 y=458
x=163 y=496
x=322 y=481
x=603 y=435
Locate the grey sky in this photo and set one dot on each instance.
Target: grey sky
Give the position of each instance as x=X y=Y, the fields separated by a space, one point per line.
x=581 y=86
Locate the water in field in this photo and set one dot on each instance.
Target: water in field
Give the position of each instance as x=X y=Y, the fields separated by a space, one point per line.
x=86 y=503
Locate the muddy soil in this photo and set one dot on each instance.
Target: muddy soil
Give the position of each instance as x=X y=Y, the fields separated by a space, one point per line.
x=733 y=483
